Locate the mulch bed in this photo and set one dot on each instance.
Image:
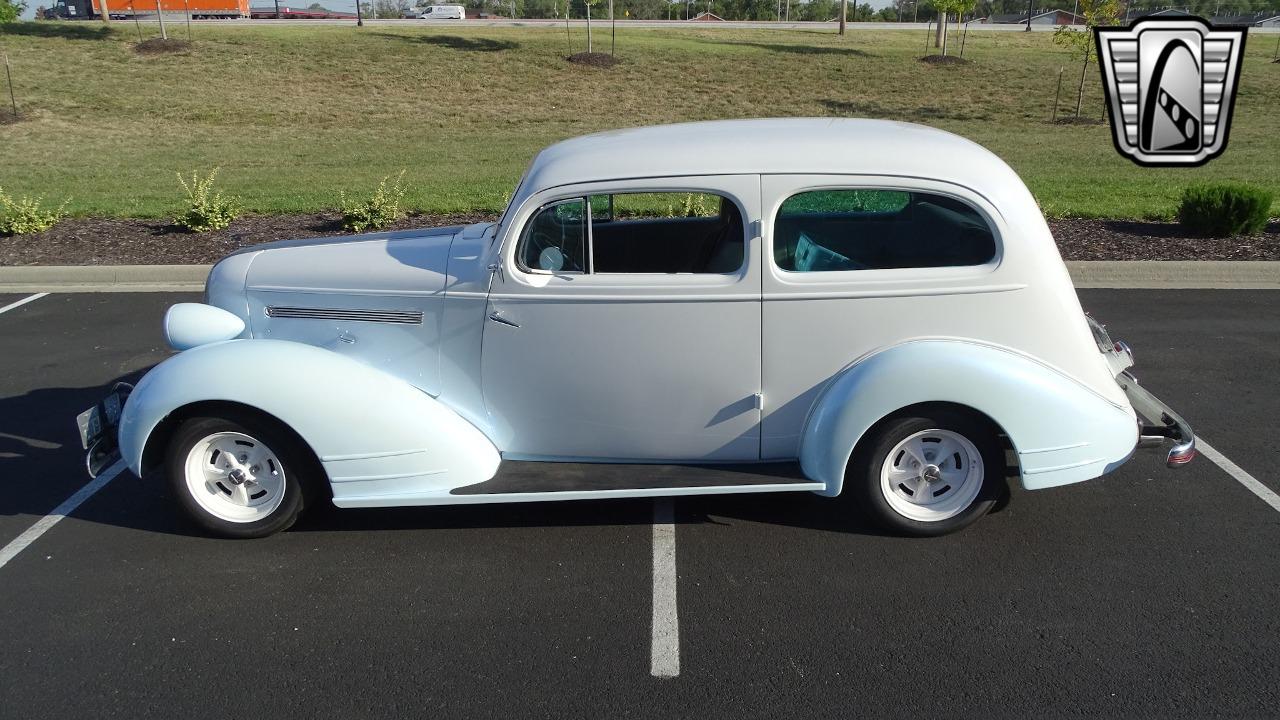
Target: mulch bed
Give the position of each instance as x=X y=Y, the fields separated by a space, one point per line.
x=160 y=46
x=1073 y=120
x=944 y=60
x=594 y=59
x=98 y=241
x=104 y=241
x=1131 y=240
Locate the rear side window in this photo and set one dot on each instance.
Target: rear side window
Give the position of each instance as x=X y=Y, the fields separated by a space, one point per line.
x=871 y=229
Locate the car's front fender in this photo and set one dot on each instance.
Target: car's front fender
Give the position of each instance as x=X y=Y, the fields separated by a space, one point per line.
x=374 y=433
x=1062 y=431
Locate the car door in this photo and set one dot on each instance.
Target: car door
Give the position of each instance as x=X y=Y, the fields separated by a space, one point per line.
x=614 y=334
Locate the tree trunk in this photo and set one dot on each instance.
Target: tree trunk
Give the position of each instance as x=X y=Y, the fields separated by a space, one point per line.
x=1083 y=68
x=941 y=32
x=106 y=11
x=588 y=27
x=160 y=15
x=844 y=9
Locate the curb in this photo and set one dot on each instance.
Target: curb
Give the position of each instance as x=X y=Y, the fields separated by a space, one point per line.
x=1176 y=274
x=103 y=278
x=1126 y=274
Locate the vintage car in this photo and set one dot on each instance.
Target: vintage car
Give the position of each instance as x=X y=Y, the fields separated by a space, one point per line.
x=860 y=308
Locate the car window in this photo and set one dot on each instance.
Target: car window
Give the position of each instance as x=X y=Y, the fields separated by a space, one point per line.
x=555 y=239
x=666 y=232
x=870 y=229
x=663 y=232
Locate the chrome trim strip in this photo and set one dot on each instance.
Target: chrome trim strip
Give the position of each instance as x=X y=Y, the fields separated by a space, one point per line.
x=397 y=317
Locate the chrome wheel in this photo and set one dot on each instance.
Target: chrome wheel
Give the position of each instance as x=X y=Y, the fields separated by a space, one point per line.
x=932 y=475
x=234 y=477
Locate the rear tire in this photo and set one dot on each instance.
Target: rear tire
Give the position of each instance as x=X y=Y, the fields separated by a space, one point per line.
x=928 y=473
x=238 y=476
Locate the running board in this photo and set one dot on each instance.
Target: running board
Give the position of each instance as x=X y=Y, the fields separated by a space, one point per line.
x=528 y=481
x=517 y=476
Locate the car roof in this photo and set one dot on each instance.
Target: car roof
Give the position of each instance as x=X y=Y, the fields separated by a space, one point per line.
x=778 y=145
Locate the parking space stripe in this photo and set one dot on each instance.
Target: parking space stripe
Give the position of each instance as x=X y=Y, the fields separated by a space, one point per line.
x=1268 y=496
x=20 y=543
x=665 y=649
x=23 y=301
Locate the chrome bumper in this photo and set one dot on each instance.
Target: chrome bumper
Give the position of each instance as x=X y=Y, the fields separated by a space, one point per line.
x=1158 y=423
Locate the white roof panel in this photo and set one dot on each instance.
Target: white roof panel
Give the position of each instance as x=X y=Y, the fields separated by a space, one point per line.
x=780 y=145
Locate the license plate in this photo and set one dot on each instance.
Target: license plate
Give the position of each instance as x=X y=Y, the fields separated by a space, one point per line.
x=100 y=419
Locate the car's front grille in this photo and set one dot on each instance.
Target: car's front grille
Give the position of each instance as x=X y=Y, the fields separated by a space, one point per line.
x=399 y=317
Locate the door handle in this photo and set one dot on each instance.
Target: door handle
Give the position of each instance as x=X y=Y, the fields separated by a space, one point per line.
x=496 y=316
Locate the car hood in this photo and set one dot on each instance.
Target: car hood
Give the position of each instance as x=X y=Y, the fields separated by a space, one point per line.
x=377 y=298
x=410 y=262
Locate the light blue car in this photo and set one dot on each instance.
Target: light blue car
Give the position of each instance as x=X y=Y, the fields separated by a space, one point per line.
x=860 y=308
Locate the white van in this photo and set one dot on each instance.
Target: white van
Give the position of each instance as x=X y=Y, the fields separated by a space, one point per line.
x=443 y=12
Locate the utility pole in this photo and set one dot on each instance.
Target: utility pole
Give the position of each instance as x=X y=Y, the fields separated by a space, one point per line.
x=844 y=9
x=106 y=12
x=278 y=8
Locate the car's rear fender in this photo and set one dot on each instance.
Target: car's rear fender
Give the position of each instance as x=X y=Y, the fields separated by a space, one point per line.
x=1062 y=431
x=373 y=433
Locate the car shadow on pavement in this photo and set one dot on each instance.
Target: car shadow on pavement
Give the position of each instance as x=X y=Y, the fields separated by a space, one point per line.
x=44 y=465
x=40 y=455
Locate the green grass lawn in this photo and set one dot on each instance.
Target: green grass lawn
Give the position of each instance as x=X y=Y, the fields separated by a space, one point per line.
x=294 y=115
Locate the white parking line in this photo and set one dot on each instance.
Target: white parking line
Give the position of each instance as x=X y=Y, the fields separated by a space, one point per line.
x=23 y=301
x=20 y=543
x=1268 y=496
x=664 y=659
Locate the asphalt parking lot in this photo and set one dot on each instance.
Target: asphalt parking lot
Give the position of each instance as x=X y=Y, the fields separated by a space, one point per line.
x=1148 y=593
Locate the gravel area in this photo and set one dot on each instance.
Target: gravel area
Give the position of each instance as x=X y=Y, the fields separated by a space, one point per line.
x=98 y=241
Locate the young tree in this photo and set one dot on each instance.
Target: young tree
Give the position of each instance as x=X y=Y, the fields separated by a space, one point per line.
x=10 y=10
x=1080 y=43
x=390 y=8
x=945 y=8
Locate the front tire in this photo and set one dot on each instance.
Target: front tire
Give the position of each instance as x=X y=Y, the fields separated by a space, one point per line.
x=928 y=473
x=238 y=476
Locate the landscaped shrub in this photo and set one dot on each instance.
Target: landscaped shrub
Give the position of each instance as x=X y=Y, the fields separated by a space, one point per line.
x=206 y=209
x=378 y=211
x=1224 y=209
x=26 y=215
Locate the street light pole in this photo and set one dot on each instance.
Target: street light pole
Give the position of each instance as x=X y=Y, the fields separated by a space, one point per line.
x=359 y=15
x=1031 y=4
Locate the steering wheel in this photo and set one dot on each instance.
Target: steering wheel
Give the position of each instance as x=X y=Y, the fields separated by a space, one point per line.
x=542 y=242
